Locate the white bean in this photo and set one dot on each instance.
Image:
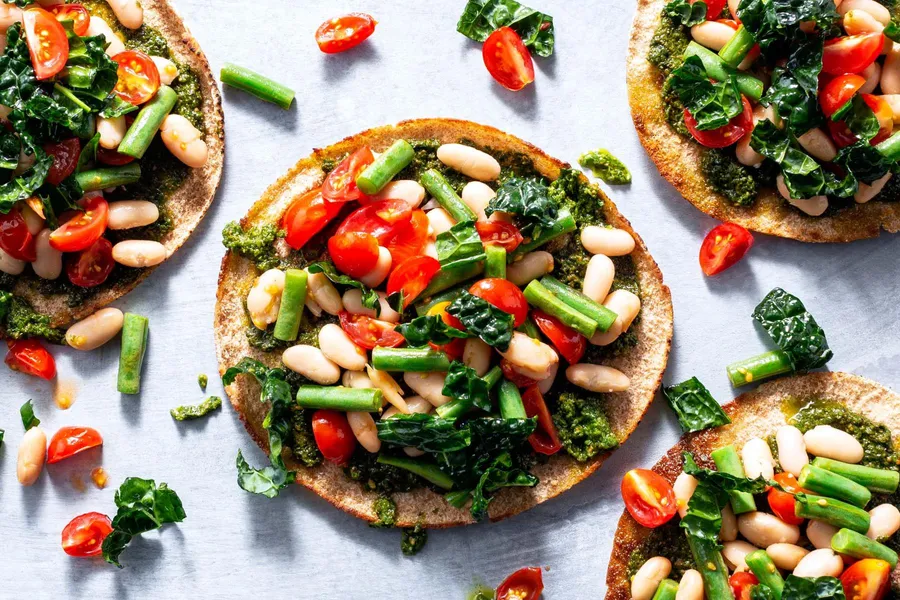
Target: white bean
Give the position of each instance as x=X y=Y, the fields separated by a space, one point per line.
x=598 y=277
x=313 y=306
x=125 y=214
x=33 y=221
x=597 y=378
x=416 y=405
x=476 y=196
x=872 y=73
x=530 y=267
x=607 y=240
x=407 y=190
x=894 y=101
x=649 y=576
x=10 y=265
x=184 y=141
x=733 y=7
x=879 y=12
x=352 y=300
x=757 y=458
x=98 y=26
x=791 y=449
x=111 y=131
x=392 y=391
x=128 y=12
x=786 y=556
x=530 y=354
x=691 y=586
x=377 y=275
x=428 y=386
x=139 y=253
x=814 y=206
x=626 y=305
x=735 y=553
x=95 y=330
x=747 y=155
x=431 y=250
x=712 y=34
x=545 y=384
x=469 y=161
x=264 y=298
x=9 y=14
x=31 y=457
x=819 y=533
x=363 y=426
x=868 y=191
x=168 y=72
x=312 y=363
x=324 y=293
x=884 y=522
x=762 y=529
x=729 y=530
x=684 y=487
x=858 y=22
x=890 y=73
x=477 y=355
x=820 y=563
x=828 y=442
x=48 y=264
x=356 y=379
x=337 y=346
x=439 y=220
x=819 y=144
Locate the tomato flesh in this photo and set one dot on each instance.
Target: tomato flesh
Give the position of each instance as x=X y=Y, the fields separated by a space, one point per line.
x=353 y=253
x=79 y=15
x=649 y=498
x=838 y=92
x=841 y=134
x=851 y=53
x=885 y=115
x=525 y=584
x=15 y=239
x=412 y=277
x=867 y=579
x=714 y=8
x=545 y=439
x=503 y=294
x=113 y=158
x=306 y=217
x=742 y=584
x=379 y=219
x=569 y=342
x=65 y=159
x=344 y=32
x=30 y=356
x=340 y=185
x=90 y=267
x=510 y=373
x=48 y=44
x=505 y=235
x=783 y=503
x=507 y=59
x=333 y=435
x=408 y=240
x=725 y=135
x=82 y=229
x=457 y=346
x=138 y=77
x=369 y=333
x=83 y=536
x=69 y=441
x=724 y=246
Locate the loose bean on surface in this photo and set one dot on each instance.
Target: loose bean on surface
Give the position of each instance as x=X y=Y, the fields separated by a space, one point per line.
x=377 y=275
x=885 y=521
x=872 y=73
x=168 y=72
x=407 y=190
x=684 y=487
x=98 y=26
x=477 y=355
x=95 y=330
x=626 y=305
x=820 y=563
x=866 y=191
x=337 y=346
x=607 y=241
x=324 y=293
x=10 y=265
x=791 y=449
x=128 y=12
x=729 y=530
x=762 y=529
x=735 y=553
x=49 y=263
x=649 y=576
x=820 y=533
x=757 y=459
x=125 y=214
x=890 y=73
x=545 y=384
x=477 y=195
x=428 y=385
x=469 y=161
x=439 y=220
x=363 y=426
x=879 y=12
x=786 y=556
x=111 y=131
x=312 y=363
x=31 y=456
x=184 y=141
x=139 y=253
x=530 y=354
x=712 y=34
x=826 y=441
x=598 y=378
x=531 y=266
x=691 y=586
x=598 y=277
x=819 y=144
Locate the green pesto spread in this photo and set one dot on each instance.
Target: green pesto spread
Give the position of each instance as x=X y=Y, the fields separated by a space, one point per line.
x=668 y=44
x=184 y=413
x=23 y=322
x=607 y=167
x=202 y=381
x=256 y=244
x=729 y=177
x=385 y=511
x=581 y=422
x=413 y=539
x=302 y=443
x=669 y=541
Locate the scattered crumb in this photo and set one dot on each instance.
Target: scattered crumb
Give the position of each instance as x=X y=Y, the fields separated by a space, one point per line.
x=64 y=393
x=99 y=477
x=203 y=380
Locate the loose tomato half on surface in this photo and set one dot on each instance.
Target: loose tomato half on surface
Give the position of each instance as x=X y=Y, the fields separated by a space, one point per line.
x=545 y=439
x=333 y=435
x=368 y=333
x=507 y=59
x=742 y=584
x=82 y=229
x=412 y=277
x=353 y=253
x=503 y=294
x=724 y=246
x=867 y=579
x=83 y=536
x=726 y=135
x=340 y=185
x=78 y=14
x=525 y=584
x=648 y=497
x=344 y=32
x=307 y=216
x=138 y=77
x=90 y=267
x=569 y=342
x=65 y=158
x=781 y=502
x=69 y=441
x=30 y=356
x=838 y=92
x=851 y=53
x=505 y=235
x=48 y=44
x=15 y=239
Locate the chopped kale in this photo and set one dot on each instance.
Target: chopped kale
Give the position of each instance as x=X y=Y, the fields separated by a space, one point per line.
x=481 y=18
x=29 y=420
x=696 y=408
x=377 y=477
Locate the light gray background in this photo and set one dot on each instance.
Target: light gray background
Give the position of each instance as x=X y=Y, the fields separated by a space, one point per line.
x=235 y=545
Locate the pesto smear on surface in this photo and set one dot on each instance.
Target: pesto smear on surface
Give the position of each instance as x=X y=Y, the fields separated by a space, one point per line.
x=607 y=167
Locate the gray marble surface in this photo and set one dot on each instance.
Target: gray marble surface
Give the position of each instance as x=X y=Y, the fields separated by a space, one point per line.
x=234 y=545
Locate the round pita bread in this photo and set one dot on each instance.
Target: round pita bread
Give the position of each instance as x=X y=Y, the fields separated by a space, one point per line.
x=678 y=160
x=755 y=414
x=644 y=363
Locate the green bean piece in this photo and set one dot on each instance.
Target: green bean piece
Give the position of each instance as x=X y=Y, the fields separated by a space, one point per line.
x=340 y=398
x=876 y=480
x=716 y=68
x=728 y=461
x=108 y=177
x=438 y=186
x=138 y=137
x=495 y=262
x=492 y=377
x=565 y=223
x=511 y=406
x=135 y=330
x=428 y=302
x=409 y=360
x=766 y=571
x=890 y=147
x=711 y=566
x=293 y=298
x=857 y=545
x=425 y=470
x=737 y=49
x=666 y=591
x=760 y=367
x=832 y=485
x=834 y=512
x=539 y=296
x=257 y=85
x=577 y=300
x=529 y=329
x=447 y=279
x=385 y=167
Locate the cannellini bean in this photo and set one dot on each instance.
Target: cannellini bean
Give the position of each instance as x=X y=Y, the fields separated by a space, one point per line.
x=530 y=354
x=872 y=73
x=337 y=346
x=313 y=306
x=48 y=264
x=476 y=196
x=733 y=6
x=139 y=253
x=324 y=293
x=762 y=529
x=791 y=449
x=786 y=556
x=819 y=533
x=814 y=206
x=469 y=161
x=428 y=386
x=98 y=26
x=363 y=426
x=416 y=405
x=736 y=552
x=168 y=72
x=890 y=73
x=546 y=383
x=757 y=458
x=26 y=161
x=767 y=113
x=747 y=155
x=822 y=562
x=31 y=457
x=626 y=305
x=729 y=530
x=684 y=487
x=312 y=363
x=885 y=521
x=356 y=379
x=9 y=14
x=10 y=265
x=264 y=298
x=530 y=267
x=649 y=576
x=857 y=22
x=597 y=378
x=691 y=586
x=407 y=190
x=868 y=191
x=184 y=141
x=477 y=356
x=828 y=442
x=534 y=375
x=439 y=220
x=125 y=214
x=431 y=250
x=392 y=391
x=111 y=131
x=607 y=240
x=95 y=330
x=33 y=221
x=378 y=274
x=879 y=12
x=893 y=101
x=128 y=12
x=712 y=34
x=598 y=277
x=352 y=300
x=819 y=144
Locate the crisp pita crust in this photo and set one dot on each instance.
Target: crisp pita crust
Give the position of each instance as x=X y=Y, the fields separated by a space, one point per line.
x=678 y=160
x=644 y=364
x=189 y=203
x=754 y=414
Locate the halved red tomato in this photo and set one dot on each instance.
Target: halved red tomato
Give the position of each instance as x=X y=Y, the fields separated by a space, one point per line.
x=353 y=253
x=15 y=239
x=525 y=584
x=333 y=435
x=90 y=267
x=378 y=219
x=519 y=380
x=838 y=92
x=340 y=185
x=569 y=342
x=726 y=135
x=507 y=59
x=503 y=294
x=138 y=77
x=81 y=229
x=851 y=53
x=781 y=502
x=344 y=32
x=83 y=536
x=649 y=498
x=48 y=44
x=885 y=115
x=79 y=15
x=714 y=8
x=545 y=439
x=368 y=333
x=502 y=234
x=722 y=247
x=307 y=216
x=113 y=158
x=30 y=356
x=408 y=240
x=412 y=276
x=69 y=441
x=841 y=134
x=867 y=579
x=742 y=584
x=457 y=346
x=65 y=159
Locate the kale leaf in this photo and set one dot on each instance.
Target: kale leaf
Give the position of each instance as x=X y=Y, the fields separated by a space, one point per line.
x=459 y=246
x=499 y=475
x=712 y=105
x=481 y=18
x=775 y=24
x=808 y=588
x=483 y=319
x=793 y=329
x=527 y=197
x=10 y=147
x=28 y=418
x=761 y=592
x=428 y=433
x=429 y=328
x=369 y=296
x=686 y=13
x=794 y=89
x=864 y=161
x=696 y=408
x=183 y=413
x=861 y=120
x=463 y=383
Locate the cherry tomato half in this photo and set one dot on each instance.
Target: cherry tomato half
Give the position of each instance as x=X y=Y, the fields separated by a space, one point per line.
x=742 y=584
x=15 y=239
x=885 y=115
x=838 y=92
x=725 y=135
x=503 y=294
x=714 y=8
x=353 y=253
x=412 y=277
x=519 y=380
x=90 y=267
x=307 y=216
x=525 y=584
x=69 y=441
x=851 y=53
x=867 y=579
x=502 y=234
x=333 y=435
x=649 y=498
x=841 y=134
x=569 y=342
x=368 y=333
x=30 y=356
x=113 y=158
x=82 y=229
x=79 y=15
x=48 y=44
x=65 y=158
x=83 y=536
x=408 y=240
x=722 y=247
x=344 y=32
x=545 y=439
x=138 y=76
x=457 y=346
x=781 y=502
x=507 y=59
x=379 y=219
x=340 y=185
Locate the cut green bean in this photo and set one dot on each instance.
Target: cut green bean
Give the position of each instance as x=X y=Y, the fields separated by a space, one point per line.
x=825 y=483
x=666 y=590
x=890 y=147
x=429 y=302
x=493 y=376
x=257 y=85
x=564 y=223
x=834 y=512
x=340 y=398
x=425 y=470
x=135 y=330
x=765 y=570
x=445 y=280
x=858 y=545
x=385 y=167
x=712 y=567
x=728 y=461
x=510 y=401
x=293 y=298
x=737 y=49
x=716 y=68
x=760 y=367
x=409 y=360
x=438 y=186
x=876 y=480
x=108 y=177
x=539 y=296
x=495 y=261
x=138 y=137
x=577 y=300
